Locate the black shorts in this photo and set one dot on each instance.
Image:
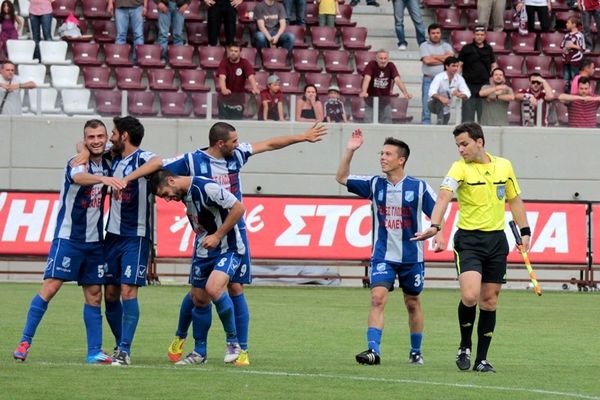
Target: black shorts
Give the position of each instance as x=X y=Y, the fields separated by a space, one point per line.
x=484 y=252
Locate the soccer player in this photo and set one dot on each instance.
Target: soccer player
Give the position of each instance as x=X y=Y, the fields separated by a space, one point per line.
x=222 y=161
x=77 y=252
x=483 y=184
x=214 y=214
x=397 y=203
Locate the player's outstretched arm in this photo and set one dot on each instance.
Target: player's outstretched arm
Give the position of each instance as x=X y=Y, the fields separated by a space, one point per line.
x=312 y=135
x=153 y=165
x=354 y=143
x=437 y=218
x=86 y=179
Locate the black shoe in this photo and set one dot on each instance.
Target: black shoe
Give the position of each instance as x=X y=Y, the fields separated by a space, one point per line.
x=368 y=357
x=483 y=366
x=415 y=358
x=373 y=3
x=121 y=359
x=463 y=358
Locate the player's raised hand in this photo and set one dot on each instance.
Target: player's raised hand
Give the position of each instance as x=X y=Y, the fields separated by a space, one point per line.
x=315 y=133
x=115 y=183
x=355 y=141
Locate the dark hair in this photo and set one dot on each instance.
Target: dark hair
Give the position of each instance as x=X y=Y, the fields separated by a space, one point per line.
x=472 y=128
x=574 y=20
x=219 y=131
x=9 y=62
x=234 y=44
x=306 y=87
x=433 y=27
x=450 y=60
x=586 y=62
x=93 y=123
x=497 y=69
x=536 y=74
x=583 y=79
x=132 y=126
x=11 y=11
x=403 y=148
x=159 y=179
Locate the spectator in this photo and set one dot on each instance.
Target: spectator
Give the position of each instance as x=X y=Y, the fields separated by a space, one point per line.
x=445 y=87
x=271 y=101
x=433 y=52
x=374 y=3
x=10 y=24
x=270 y=19
x=129 y=14
x=10 y=98
x=583 y=106
x=233 y=72
x=221 y=11
x=379 y=77
x=589 y=9
x=496 y=97
x=587 y=69
x=478 y=60
x=308 y=106
x=334 y=106
x=573 y=45
x=414 y=10
x=538 y=90
x=170 y=15
x=540 y=7
x=296 y=8
x=328 y=9
x=491 y=10
x=40 y=16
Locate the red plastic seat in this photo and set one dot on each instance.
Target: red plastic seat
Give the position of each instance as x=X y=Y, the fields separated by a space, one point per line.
x=562 y=112
x=559 y=5
x=539 y=64
x=193 y=80
x=141 y=103
x=174 y=104
x=563 y=16
x=437 y=3
x=117 y=55
x=238 y=38
x=129 y=78
x=362 y=58
x=199 y=104
x=551 y=43
x=508 y=21
x=324 y=38
x=97 y=78
x=62 y=8
x=108 y=102
x=472 y=18
x=399 y=107
x=275 y=59
x=152 y=11
x=148 y=55
x=358 y=107
x=498 y=42
x=344 y=18
x=306 y=60
x=355 y=38
x=193 y=12
x=514 y=113
x=261 y=80
x=449 y=18
x=524 y=45
x=197 y=33
x=290 y=82
x=558 y=67
x=249 y=53
x=311 y=14
x=85 y=36
x=519 y=83
x=95 y=9
x=349 y=84
x=471 y=4
x=460 y=38
x=86 y=53
x=299 y=36
x=337 y=61
x=320 y=81
x=105 y=31
x=210 y=56
x=512 y=65
x=181 y=57
x=245 y=12
x=161 y=79
x=557 y=85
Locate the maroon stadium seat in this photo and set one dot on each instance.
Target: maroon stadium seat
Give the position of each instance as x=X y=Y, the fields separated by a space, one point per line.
x=498 y=42
x=299 y=36
x=181 y=57
x=275 y=59
x=197 y=33
x=306 y=60
x=161 y=79
x=148 y=55
x=117 y=55
x=193 y=80
x=460 y=38
x=399 y=107
x=344 y=18
x=290 y=82
x=141 y=103
x=62 y=8
x=324 y=38
x=539 y=64
x=449 y=18
x=320 y=81
x=108 y=102
x=97 y=78
x=524 y=45
x=129 y=78
x=337 y=61
x=95 y=9
x=86 y=53
x=512 y=65
x=105 y=31
x=362 y=58
x=174 y=104
x=354 y=38
x=210 y=56
x=349 y=84
x=193 y=12
x=199 y=104
x=551 y=43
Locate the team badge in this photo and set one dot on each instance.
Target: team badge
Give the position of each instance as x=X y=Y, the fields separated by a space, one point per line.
x=409 y=195
x=380 y=267
x=231 y=165
x=238 y=72
x=500 y=191
x=203 y=169
x=380 y=195
x=66 y=262
x=128 y=170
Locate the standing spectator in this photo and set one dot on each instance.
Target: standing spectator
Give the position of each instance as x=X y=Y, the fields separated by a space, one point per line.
x=328 y=9
x=477 y=59
x=10 y=98
x=374 y=3
x=538 y=90
x=10 y=24
x=271 y=101
x=40 y=16
x=270 y=19
x=494 y=10
x=433 y=52
x=583 y=106
x=221 y=11
x=129 y=13
x=170 y=15
x=445 y=87
x=334 y=106
x=587 y=70
x=379 y=77
x=308 y=106
x=540 y=7
x=496 y=97
x=297 y=9
x=573 y=45
x=589 y=9
x=414 y=10
x=233 y=72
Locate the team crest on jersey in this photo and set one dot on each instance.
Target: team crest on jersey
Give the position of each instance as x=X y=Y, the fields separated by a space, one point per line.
x=128 y=170
x=380 y=267
x=500 y=191
x=409 y=195
x=203 y=169
x=380 y=195
x=231 y=165
x=66 y=262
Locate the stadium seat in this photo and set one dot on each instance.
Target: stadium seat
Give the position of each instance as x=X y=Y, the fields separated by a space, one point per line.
x=290 y=82
x=399 y=107
x=97 y=78
x=311 y=14
x=65 y=76
x=539 y=64
x=129 y=78
x=306 y=60
x=471 y=4
x=210 y=56
x=85 y=36
x=197 y=33
x=152 y=11
x=299 y=36
x=181 y=57
x=514 y=113
x=174 y=104
x=117 y=55
x=508 y=21
x=95 y=9
x=320 y=81
x=358 y=107
x=362 y=58
x=245 y=12
x=324 y=38
x=148 y=56
x=460 y=38
x=561 y=18
x=76 y=101
x=108 y=102
x=558 y=66
x=161 y=79
x=337 y=61
x=472 y=18
x=62 y=8
x=551 y=43
x=200 y=104
x=437 y=3
x=23 y=8
x=449 y=18
x=238 y=38
x=193 y=80
x=524 y=45
x=249 y=53
x=562 y=112
x=261 y=80
x=344 y=18
x=105 y=31
x=33 y=72
x=21 y=51
x=511 y=64
x=275 y=59
x=48 y=101
x=519 y=83
x=557 y=85
x=54 y=52
x=354 y=38
x=193 y=12
x=498 y=42
x=349 y=84
x=141 y=103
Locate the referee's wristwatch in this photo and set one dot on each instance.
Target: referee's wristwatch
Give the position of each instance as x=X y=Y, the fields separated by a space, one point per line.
x=438 y=227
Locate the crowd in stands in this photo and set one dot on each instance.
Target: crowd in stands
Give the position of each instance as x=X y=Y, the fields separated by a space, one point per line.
x=534 y=57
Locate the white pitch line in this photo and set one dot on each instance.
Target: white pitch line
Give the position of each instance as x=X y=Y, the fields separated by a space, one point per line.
x=238 y=370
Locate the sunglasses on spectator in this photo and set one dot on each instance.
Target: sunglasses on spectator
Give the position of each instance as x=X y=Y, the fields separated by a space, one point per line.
x=536 y=82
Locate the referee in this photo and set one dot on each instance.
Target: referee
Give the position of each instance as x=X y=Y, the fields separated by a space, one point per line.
x=482 y=183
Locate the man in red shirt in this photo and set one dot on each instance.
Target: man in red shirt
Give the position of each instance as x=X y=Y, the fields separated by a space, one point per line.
x=538 y=90
x=271 y=101
x=379 y=77
x=232 y=73
x=583 y=107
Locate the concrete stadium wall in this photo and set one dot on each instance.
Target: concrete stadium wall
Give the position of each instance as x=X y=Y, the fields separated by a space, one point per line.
x=551 y=163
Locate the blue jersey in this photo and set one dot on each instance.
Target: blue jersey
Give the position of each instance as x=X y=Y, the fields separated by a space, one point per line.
x=81 y=208
x=130 y=210
x=397 y=215
x=207 y=206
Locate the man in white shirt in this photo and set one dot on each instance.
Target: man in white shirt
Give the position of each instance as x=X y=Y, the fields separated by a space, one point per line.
x=10 y=83
x=445 y=87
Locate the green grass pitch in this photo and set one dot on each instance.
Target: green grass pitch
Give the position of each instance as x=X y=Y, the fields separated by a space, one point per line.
x=302 y=346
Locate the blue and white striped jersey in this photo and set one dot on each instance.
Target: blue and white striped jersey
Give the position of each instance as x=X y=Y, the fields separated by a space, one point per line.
x=207 y=206
x=81 y=208
x=397 y=214
x=130 y=211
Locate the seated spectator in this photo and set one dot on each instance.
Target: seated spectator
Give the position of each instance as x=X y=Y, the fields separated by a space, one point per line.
x=334 y=107
x=445 y=87
x=271 y=101
x=583 y=106
x=295 y=11
x=538 y=90
x=587 y=69
x=170 y=16
x=10 y=24
x=496 y=97
x=40 y=16
x=270 y=19
x=308 y=106
x=10 y=84
x=328 y=9
x=373 y=3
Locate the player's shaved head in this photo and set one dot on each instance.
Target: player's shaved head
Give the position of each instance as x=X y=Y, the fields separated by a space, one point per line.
x=219 y=131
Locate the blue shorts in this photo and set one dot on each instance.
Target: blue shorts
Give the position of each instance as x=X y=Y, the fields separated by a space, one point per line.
x=127 y=259
x=410 y=276
x=203 y=267
x=244 y=273
x=76 y=261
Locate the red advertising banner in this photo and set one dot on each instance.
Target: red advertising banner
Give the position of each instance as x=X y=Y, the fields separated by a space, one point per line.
x=596 y=233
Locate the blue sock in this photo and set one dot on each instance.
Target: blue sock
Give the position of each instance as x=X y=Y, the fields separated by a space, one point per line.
x=242 y=319
x=224 y=307
x=37 y=308
x=114 y=317
x=415 y=342
x=131 y=315
x=202 y=317
x=374 y=339
x=93 y=327
x=185 y=316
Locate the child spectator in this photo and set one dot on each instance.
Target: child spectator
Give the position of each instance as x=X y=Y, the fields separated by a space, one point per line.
x=334 y=107
x=271 y=101
x=573 y=45
x=328 y=9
